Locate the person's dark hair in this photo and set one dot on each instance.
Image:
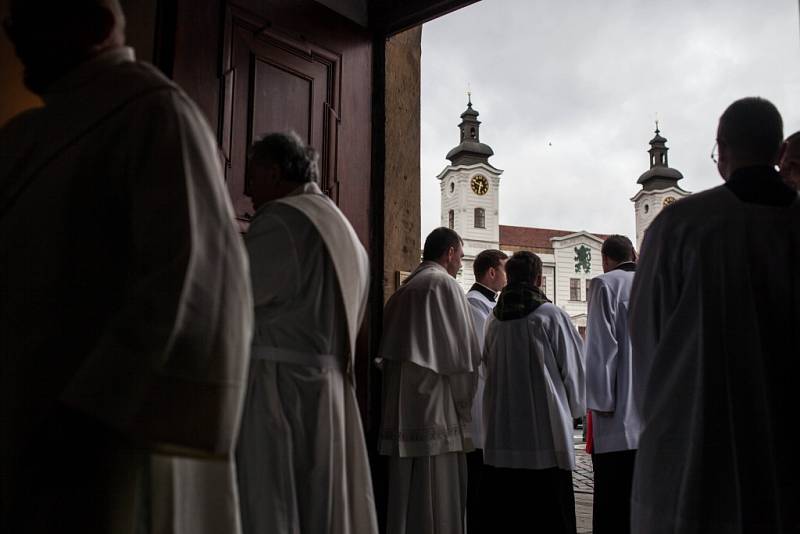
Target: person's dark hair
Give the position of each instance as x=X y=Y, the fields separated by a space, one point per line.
x=793 y=142
x=523 y=268
x=296 y=161
x=486 y=260
x=752 y=127
x=438 y=242
x=618 y=247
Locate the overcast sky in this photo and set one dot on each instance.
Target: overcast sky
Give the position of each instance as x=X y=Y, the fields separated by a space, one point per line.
x=568 y=92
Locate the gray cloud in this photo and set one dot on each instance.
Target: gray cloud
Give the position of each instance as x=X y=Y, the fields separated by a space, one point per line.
x=568 y=92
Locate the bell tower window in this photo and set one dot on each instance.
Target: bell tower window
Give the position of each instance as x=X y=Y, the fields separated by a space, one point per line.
x=480 y=218
x=451 y=219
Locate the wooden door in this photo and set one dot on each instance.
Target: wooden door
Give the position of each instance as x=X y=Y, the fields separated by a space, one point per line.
x=260 y=66
x=273 y=82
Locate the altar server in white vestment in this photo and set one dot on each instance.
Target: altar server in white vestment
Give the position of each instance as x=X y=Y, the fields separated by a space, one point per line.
x=490 y=276
x=534 y=389
x=609 y=388
x=301 y=457
x=715 y=310
x=124 y=316
x=430 y=357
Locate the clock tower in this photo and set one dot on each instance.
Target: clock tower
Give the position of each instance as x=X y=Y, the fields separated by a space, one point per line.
x=470 y=188
x=659 y=187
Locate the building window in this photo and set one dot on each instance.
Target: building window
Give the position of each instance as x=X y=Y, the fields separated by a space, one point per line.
x=480 y=218
x=544 y=284
x=588 y=284
x=451 y=219
x=574 y=289
x=582 y=332
x=452 y=186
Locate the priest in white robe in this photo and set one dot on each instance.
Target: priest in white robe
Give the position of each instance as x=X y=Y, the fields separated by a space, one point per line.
x=430 y=357
x=124 y=316
x=301 y=457
x=490 y=278
x=715 y=310
x=609 y=388
x=534 y=390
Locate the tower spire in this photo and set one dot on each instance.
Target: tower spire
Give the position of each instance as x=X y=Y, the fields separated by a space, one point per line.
x=660 y=175
x=470 y=149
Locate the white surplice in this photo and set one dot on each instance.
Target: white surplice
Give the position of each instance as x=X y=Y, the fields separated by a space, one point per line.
x=609 y=385
x=480 y=307
x=124 y=303
x=301 y=458
x=715 y=311
x=534 y=389
x=430 y=356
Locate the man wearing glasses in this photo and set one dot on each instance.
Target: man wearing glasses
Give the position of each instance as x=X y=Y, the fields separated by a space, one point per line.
x=715 y=308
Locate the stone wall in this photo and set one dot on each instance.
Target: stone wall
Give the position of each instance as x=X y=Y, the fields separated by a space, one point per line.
x=402 y=168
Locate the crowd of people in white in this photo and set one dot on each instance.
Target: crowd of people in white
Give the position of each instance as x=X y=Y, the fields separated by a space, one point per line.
x=162 y=375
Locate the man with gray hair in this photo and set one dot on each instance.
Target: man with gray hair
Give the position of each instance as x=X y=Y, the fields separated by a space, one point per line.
x=124 y=307
x=715 y=308
x=301 y=457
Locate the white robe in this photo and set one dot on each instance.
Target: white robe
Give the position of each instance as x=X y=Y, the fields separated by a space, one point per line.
x=534 y=389
x=301 y=457
x=715 y=311
x=125 y=303
x=609 y=383
x=480 y=307
x=430 y=355
x=429 y=338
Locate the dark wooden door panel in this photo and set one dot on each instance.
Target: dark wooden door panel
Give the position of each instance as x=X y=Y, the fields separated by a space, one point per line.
x=282 y=101
x=276 y=83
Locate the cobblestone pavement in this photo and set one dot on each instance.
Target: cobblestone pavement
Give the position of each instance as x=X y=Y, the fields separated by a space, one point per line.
x=582 y=477
x=583 y=485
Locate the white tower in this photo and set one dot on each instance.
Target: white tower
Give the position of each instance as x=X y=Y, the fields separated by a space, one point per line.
x=470 y=189
x=659 y=187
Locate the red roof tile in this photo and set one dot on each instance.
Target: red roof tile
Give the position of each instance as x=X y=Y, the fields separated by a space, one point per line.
x=521 y=236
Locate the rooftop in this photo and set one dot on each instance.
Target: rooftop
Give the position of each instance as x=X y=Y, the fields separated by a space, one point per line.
x=524 y=237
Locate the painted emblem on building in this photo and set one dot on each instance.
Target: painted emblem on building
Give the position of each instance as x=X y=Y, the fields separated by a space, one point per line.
x=583 y=259
x=667 y=201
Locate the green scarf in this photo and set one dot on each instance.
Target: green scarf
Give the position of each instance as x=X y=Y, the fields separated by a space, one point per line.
x=517 y=301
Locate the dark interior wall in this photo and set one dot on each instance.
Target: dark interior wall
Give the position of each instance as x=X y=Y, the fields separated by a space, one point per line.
x=14 y=97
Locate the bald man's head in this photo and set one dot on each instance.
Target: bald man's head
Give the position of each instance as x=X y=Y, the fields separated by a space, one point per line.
x=750 y=132
x=790 y=161
x=51 y=37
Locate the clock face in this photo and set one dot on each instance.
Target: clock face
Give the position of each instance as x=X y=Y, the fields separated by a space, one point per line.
x=479 y=184
x=667 y=201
